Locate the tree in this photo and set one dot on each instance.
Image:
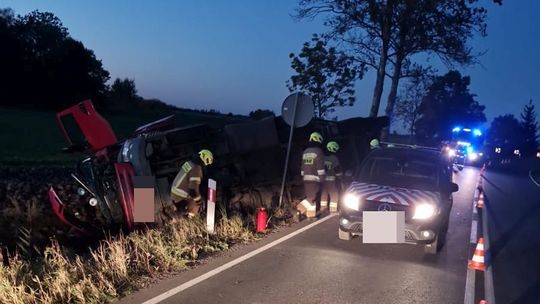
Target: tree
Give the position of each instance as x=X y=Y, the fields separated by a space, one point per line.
x=123 y=95
x=325 y=74
x=43 y=66
x=436 y=27
x=447 y=103
x=11 y=58
x=260 y=114
x=505 y=133
x=529 y=126
x=378 y=31
x=363 y=28
x=78 y=75
x=408 y=103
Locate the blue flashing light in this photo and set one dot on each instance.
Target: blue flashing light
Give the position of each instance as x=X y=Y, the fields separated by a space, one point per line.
x=467 y=130
x=477 y=132
x=470 y=149
x=456 y=129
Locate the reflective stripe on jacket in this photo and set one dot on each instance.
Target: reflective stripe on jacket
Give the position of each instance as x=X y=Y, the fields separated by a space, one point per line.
x=313 y=164
x=187 y=181
x=333 y=167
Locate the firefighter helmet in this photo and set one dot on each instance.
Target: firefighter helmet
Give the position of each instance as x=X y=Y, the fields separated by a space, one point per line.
x=374 y=143
x=206 y=157
x=316 y=137
x=332 y=146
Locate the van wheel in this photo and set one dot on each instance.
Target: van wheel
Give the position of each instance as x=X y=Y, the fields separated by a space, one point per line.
x=344 y=235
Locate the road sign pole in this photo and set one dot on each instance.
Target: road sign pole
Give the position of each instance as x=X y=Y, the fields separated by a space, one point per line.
x=288 y=150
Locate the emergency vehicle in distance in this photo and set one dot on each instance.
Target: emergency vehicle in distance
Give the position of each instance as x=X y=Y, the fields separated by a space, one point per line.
x=415 y=180
x=466 y=147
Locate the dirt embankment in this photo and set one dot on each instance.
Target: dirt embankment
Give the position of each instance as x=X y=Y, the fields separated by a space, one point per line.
x=25 y=212
x=118 y=264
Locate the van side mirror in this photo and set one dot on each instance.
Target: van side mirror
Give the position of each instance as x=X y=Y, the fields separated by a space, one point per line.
x=450 y=188
x=453 y=187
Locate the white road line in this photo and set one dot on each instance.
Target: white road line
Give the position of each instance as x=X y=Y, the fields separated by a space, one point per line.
x=469 y=286
x=232 y=263
x=531 y=177
x=489 y=289
x=470 y=280
x=474 y=232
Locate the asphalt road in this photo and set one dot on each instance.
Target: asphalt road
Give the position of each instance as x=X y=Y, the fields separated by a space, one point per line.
x=316 y=267
x=513 y=208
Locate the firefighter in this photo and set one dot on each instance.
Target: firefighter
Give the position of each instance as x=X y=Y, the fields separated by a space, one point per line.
x=332 y=184
x=312 y=172
x=185 y=187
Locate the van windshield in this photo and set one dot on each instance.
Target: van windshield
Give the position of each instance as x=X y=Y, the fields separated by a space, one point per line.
x=400 y=172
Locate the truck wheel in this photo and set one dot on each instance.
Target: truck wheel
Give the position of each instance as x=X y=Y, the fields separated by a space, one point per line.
x=343 y=235
x=431 y=249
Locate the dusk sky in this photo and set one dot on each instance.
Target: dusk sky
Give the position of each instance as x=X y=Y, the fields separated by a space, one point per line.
x=233 y=55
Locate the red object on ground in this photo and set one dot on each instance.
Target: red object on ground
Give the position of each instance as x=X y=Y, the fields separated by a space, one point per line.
x=477 y=262
x=262 y=217
x=483 y=302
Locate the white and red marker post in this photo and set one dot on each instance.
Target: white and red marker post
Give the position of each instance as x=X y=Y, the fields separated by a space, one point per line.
x=211 y=208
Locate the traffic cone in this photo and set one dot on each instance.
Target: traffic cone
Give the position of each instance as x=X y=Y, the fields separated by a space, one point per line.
x=483 y=170
x=480 y=201
x=480 y=184
x=477 y=262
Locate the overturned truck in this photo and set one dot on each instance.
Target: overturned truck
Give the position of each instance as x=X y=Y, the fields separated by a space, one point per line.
x=249 y=157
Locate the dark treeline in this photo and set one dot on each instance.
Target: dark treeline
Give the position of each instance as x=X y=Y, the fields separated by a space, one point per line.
x=43 y=66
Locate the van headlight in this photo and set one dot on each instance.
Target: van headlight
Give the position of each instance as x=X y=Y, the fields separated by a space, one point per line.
x=351 y=201
x=423 y=211
x=473 y=156
x=93 y=202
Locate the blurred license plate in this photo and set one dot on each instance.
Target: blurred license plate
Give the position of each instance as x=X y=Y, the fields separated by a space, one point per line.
x=383 y=227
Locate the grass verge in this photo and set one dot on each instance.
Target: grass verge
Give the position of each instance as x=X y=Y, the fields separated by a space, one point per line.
x=117 y=266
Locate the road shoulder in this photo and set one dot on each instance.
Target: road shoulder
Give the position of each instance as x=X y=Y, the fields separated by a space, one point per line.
x=204 y=266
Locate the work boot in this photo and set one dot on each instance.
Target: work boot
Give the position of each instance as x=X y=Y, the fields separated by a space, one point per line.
x=333 y=207
x=311 y=211
x=302 y=207
x=307 y=208
x=324 y=206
